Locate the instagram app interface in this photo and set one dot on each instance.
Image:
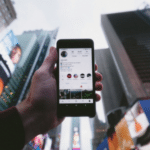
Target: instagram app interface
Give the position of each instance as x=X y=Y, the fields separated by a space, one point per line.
x=75 y=76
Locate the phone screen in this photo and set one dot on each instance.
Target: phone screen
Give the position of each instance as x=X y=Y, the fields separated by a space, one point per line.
x=75 y=76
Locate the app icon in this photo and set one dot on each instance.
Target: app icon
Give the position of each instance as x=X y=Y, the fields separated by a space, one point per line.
x=69 y=75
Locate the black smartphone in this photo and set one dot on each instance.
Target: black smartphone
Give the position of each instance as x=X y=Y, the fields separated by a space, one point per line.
x=76 y=78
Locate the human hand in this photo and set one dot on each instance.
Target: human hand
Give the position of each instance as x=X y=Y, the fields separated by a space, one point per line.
x=98 y=84
x=39 y=110
x=44 y=90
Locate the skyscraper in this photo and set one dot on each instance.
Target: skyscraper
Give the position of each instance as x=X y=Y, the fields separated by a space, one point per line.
x=128 y=35
x=33 y=50
x=7 y=13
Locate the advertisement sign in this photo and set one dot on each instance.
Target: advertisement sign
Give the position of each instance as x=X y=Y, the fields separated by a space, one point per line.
x=138 y=124
x=113 y=141
x=145 y=104
x=76 y=139
x=124 y=138
x=38 y=142
x=103 y=145
x=10 y=54
x=132 y=132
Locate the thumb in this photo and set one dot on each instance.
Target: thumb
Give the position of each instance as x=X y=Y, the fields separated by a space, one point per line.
x=51 y=59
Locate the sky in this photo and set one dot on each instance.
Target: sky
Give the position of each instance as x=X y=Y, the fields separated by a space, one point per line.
x=74 y=18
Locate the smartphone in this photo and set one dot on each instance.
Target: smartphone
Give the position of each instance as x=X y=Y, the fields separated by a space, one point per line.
x=76 y=78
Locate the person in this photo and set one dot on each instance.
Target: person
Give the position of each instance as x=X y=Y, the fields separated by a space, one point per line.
x=37 y=114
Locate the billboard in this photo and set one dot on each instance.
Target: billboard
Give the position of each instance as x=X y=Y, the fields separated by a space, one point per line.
x=38 y=142
x=132 y=132
x=138 y=124
x=10 y=54
x=76 y=139
x=103 y=145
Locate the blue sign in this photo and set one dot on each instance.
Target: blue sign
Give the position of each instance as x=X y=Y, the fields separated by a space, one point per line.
x=146 y=108
x=9 y=41
x=103 y=145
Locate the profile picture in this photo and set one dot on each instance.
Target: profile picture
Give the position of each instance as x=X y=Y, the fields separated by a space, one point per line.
x=88 y=75
x=82 y=75
x=69 y=75
x=64 y=54
x=75 y=76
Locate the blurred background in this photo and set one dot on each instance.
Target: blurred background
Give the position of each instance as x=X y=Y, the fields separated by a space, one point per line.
x=120 y=31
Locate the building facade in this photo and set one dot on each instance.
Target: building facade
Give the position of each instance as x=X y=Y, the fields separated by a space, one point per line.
x=128 y=69
x=113 y=95
x=34 y=49
x=7 y=13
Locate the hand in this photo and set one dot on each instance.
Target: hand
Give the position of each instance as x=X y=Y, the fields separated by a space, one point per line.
x=98 y=84
x=39 y=111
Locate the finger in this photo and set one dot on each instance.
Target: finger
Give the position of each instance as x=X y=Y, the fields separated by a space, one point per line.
x=60 y=120
x=55 y=68
x=55 y=71
x=98 y=86
x=96 y=67
x=98 y=76
x=98 y=97
x=50 y=60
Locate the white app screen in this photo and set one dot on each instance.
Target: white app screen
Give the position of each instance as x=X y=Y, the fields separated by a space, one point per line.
x=75 y=76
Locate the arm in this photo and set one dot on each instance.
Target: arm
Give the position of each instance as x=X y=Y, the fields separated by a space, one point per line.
x=39 y=111
x=11 y=130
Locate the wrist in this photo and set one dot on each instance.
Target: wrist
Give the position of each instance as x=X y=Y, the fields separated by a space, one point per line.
x=31 y=120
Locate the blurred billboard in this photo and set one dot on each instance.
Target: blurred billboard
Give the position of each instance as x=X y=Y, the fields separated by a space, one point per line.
x=10 y=54
x=39 y=142
x=132 y=132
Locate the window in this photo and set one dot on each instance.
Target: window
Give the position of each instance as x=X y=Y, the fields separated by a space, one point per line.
x=3 y=21
x=1 y=24
x=4 y=1
x=7 y=8
x=3 y=10
x=9 y=16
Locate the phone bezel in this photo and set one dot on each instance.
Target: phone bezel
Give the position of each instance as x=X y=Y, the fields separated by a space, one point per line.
x=76 y=109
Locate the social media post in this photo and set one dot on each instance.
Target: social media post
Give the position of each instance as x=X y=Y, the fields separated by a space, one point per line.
x=75 y=72
x=76 y=96
x=75 y=76
x=75 y=60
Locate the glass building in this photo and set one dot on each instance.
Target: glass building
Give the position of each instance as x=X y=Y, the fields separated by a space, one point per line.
x=128 y=36
x=34 y=48
x=125 y=65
